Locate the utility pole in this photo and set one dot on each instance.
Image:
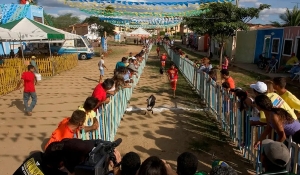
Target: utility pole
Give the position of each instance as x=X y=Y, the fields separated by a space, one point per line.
x=296 y=3
x=237 y=3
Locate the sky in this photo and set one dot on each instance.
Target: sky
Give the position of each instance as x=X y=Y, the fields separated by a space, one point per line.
x=57 y=7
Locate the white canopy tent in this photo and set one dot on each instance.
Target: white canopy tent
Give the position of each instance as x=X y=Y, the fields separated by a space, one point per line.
x=68 y=35
x=140 y=32
x=5 y=34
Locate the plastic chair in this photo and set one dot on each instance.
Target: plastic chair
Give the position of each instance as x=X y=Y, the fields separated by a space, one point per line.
x=297 y=75
x=274 y=68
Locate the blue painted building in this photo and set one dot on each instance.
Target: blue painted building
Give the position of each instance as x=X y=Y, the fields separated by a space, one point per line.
x=269 y=42
x=12 y=12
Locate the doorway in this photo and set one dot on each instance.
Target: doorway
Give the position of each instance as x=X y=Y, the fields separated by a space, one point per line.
x=267 y=42
x=297 y=48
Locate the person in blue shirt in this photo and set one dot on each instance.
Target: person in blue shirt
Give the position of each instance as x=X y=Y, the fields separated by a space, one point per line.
x=121 y=63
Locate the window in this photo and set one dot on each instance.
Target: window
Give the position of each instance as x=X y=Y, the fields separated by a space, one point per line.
x=275 y=45
x=287 y=47
x=38 y=19
x=79 y=43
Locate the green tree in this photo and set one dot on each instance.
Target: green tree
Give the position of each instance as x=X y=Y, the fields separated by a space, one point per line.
x=102 y=26
x=289 y=18
x=64 y=21
x=221 y=20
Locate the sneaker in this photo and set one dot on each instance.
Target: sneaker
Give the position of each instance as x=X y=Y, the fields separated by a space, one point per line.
x=29 y=113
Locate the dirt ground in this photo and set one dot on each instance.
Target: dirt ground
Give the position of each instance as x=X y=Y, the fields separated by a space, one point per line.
x=57 y=98
x=169 y=133
x=165 y=133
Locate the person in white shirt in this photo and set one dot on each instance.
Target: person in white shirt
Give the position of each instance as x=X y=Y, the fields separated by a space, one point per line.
x=101 y=68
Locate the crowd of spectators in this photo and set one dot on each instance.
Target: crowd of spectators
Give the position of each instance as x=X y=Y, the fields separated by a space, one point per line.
x=83 y=121
x=269 y=104
x=273 y=106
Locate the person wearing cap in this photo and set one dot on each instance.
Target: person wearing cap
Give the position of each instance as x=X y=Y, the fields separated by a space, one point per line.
x=227 y=78
x=279 y=84
x=261 y=88
x=130 y=56
x=33 y=63
x=173 y=77
x=278 y=119
x=132 y=71
x=135 y=61
x=275 y=156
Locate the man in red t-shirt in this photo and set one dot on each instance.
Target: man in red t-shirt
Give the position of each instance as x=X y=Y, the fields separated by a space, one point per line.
x=101 y=89
x=163 y=60
x=173 y=77
x=28 y=80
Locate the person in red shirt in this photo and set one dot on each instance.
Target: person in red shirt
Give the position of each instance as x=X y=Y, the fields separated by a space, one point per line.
x=163 y=60
x=101 y=89
x=28 y=80
x=157 y=50
x=227 y=78
x=68 y=127
x=173 y=77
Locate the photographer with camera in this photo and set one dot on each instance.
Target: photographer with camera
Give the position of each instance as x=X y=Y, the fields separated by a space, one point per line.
x=72 y=157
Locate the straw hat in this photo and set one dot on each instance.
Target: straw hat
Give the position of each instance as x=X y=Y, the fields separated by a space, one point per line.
x=33 y=57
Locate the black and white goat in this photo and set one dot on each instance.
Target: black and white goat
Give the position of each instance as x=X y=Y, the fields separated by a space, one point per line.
x=150 y=103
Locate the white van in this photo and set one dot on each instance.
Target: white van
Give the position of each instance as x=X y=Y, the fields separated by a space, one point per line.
x=80 y=46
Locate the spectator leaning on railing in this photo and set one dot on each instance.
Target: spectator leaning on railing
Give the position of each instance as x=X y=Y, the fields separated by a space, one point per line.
x=100 y=91
x=261 y=88
x=227 y=78
x=68 y=127
x=121 y=63
x=278 y=119
x=88 y=107
x=287 y=96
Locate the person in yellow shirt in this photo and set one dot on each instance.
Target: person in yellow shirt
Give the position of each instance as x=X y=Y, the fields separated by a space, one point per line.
x=290 y=63
x=288 y=97
x=91 y=123
x=261 y=88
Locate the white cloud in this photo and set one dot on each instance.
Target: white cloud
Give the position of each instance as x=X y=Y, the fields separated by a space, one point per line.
x=273 y=11
x=266 y=13
x=257 y=4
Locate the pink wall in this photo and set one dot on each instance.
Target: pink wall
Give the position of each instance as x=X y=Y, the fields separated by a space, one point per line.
x=290 y=33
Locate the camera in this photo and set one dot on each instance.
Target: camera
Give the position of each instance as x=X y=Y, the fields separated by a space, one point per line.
x=98 y=161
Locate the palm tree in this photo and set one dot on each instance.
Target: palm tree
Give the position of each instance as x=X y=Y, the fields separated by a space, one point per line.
x=289 y=18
